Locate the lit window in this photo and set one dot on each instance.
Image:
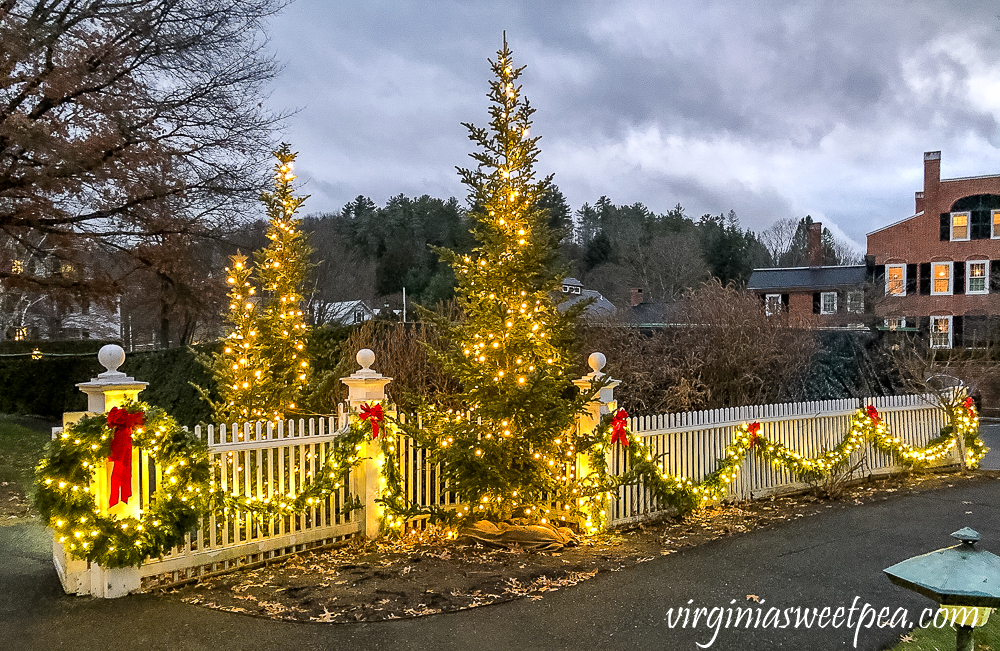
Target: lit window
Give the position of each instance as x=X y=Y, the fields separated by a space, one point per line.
x=976 y=273
x=942 y=278
x=995 y=233
x=20 y=334
x=828 y=303
x=856 y=302
x=895 y=323
x=772 y=304
x=959 y=226
x=940 y=332
x=895 y=279
x=17 y=267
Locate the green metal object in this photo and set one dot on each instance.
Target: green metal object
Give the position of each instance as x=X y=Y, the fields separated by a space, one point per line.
x=955 y=576
x=963 y=579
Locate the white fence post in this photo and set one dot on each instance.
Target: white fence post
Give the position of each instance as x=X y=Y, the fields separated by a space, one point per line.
x=109 y=389
x=601 y=403
x=364 y=386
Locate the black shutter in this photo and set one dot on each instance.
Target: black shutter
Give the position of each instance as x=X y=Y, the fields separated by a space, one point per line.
x=945 y=226
x=815 y=302
x=980 y=229
x=925 y=278
x=911 y=279
x=879 y=279
x=995 y=275
x=958 y=271
x=924 y=324
x=784 y=300
x=841 y=302
x=957 y=331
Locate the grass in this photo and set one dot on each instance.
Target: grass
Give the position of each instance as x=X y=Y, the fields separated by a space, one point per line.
x=943 y=639
x=22 y=441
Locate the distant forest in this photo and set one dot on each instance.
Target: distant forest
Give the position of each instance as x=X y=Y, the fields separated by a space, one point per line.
x=371 y=252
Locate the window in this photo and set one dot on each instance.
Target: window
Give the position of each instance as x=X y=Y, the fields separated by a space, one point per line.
x=895 y=279
x=977 y=273
x=995 y=232
x=959 y=226
x=17 y=267
x=895 y=323
x=20 y=334
x=828 y=303
x=772 y=304
x=941 y=279
x=940 y=332
x=359 y=316
x=856 y=302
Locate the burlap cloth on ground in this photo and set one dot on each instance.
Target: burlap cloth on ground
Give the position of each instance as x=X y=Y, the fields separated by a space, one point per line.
x=534 y=537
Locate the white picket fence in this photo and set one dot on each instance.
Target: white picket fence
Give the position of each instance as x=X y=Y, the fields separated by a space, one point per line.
x=692 y=442
x=263 y=460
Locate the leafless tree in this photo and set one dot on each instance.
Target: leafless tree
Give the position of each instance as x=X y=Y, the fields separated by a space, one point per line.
x=109 y=108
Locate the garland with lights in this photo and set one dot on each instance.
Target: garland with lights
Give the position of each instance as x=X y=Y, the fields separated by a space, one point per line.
x=66 y=502
x=685 y=495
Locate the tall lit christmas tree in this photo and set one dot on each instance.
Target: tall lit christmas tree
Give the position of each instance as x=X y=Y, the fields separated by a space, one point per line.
x=512 y=454
x=282 y=270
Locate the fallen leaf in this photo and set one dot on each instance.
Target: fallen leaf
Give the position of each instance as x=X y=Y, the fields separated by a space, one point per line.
x=753 y=597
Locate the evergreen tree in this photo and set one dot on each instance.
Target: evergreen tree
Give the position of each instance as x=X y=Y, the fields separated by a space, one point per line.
x=512 y=455
x=239 y=369
x=282 y=269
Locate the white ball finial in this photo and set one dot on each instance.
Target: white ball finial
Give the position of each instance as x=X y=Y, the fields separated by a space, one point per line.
x=597 y=362
x=365 y=358
x=111 y=357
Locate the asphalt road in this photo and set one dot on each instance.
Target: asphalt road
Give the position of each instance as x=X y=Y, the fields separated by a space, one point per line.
x=834 y=559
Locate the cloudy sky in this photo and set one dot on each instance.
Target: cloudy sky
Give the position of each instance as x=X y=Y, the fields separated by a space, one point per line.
x=772 y=109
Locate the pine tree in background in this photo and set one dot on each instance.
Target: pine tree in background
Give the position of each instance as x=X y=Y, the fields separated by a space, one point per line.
x=282 y=270
x=240 y=368
x=512 y=456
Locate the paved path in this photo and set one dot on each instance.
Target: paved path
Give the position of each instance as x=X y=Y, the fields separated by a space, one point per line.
x=823 y=560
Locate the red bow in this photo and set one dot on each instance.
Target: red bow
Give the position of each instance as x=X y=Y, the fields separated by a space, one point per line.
x=373 y=414
x=753 y=429
x=121 y=452
x=969 y=402
x=618 y=426
x=873 y=414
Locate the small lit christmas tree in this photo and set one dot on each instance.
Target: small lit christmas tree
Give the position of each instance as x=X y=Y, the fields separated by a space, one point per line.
x=239 y=369
x=282 y=270
x=263 y=367
x=512 y=455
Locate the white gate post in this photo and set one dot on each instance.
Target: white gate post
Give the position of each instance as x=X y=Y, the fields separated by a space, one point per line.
x=109 y=389
x=601 y=403
x=366 y=386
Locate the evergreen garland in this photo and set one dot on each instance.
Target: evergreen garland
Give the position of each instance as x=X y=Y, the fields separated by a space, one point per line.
x=66 y=503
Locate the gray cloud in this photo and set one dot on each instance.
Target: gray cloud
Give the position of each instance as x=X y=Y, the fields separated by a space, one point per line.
x=773 y=109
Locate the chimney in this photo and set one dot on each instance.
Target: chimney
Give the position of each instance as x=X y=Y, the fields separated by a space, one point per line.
x=636 y=296
x=932 y=179
x=815 y=244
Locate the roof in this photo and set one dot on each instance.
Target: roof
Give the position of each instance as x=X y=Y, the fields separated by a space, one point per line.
x=807 y=278
x=601 y=307
x=896 y=223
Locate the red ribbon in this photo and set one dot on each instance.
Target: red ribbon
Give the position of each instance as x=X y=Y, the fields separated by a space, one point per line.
x=121 y=452
x=969 y=402
x=619 y=425
x=873 y=414
x=753 y=429
x=373 y=414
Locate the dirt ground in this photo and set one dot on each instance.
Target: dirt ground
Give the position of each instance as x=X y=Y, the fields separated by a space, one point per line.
x=424 y=573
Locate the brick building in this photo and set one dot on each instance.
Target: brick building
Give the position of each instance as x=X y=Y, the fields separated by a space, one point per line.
x=938 y=271
x=815 y=296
